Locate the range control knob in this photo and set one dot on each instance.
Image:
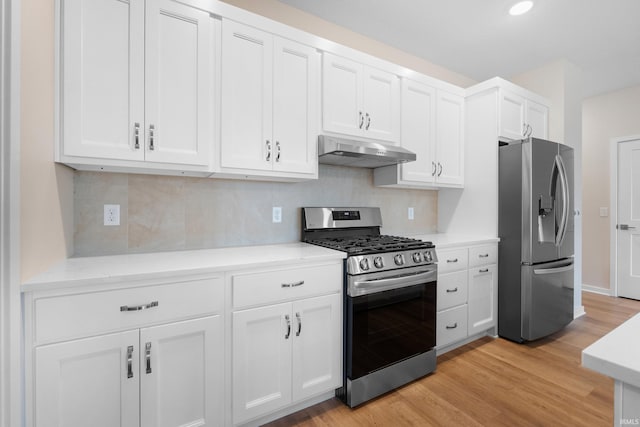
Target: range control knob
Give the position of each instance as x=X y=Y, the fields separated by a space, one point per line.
x=417 y=257
x=364 y=264
x=378 y=262
x=398 y=259
x=428 y=257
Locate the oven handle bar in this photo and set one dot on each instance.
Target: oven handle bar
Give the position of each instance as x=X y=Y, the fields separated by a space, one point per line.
x=365 y=287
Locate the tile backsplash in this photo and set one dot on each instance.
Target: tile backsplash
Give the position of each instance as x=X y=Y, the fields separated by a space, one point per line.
x=160 y=213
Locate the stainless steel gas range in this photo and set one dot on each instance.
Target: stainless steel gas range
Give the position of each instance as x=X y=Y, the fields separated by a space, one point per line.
x=389 y=300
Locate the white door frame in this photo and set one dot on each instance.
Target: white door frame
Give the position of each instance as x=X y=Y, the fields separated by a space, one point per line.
x=613 y=203
x=11 y=402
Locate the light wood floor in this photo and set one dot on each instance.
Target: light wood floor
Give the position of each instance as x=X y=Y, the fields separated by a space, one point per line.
x=494 y=382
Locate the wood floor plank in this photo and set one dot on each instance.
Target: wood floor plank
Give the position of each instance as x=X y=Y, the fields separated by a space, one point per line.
x=495 y=382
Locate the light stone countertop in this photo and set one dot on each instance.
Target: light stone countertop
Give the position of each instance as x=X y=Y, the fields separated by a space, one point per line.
x=75 y=272
x=617 y=354
x=446 y=240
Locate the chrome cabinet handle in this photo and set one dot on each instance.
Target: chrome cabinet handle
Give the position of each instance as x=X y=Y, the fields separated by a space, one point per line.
x=433 y=168
x=299 y=319
x=292 y=285
x=483 y=270
x=524 y=130
x=450 y=291
x=368 y=121
x=152 y=129
x=268 y=150
x=147 y=356
x=130 y=361
x=483 y=256
x=453 y=260
x=136 y=135
x=361 y=119
x=288 y=320
x=278 y=151
x=439 y=168
x=455 y=325
x=139 y=307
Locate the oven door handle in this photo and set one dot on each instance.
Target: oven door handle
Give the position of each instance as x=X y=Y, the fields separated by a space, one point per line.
x=364 y=287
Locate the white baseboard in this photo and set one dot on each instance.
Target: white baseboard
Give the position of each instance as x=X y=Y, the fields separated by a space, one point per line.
x=597 y=290
x=578 y=312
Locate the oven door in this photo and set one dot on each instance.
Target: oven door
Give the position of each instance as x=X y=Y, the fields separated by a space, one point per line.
x=393 y=320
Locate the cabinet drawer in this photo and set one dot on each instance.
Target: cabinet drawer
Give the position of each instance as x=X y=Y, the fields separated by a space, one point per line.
x=452 y=289
x=452 y=325
x=483 y=255
x=452 y=260
x=283 y=285
x=71 y=316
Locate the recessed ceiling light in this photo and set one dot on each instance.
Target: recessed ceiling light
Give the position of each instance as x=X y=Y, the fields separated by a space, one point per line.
x=520 y=8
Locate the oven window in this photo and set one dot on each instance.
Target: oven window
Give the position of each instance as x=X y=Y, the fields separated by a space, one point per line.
x=390 y=326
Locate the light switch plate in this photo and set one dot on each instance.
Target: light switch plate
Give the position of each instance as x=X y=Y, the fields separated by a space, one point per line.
x=410 y=214
x=276 y=214
x=604 y=212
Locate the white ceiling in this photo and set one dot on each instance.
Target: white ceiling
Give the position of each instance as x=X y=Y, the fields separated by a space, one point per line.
x=479 y=39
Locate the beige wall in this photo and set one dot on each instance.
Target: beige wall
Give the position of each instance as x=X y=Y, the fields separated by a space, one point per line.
x=312 y=24
x=612 y=115
x=46 y=188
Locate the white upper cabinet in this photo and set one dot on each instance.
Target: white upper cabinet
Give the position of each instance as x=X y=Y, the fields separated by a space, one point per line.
x=360 y=100
x=521 y=117
x=432 y=128
x=269 y=105
x=450 y=139
x=135 y=85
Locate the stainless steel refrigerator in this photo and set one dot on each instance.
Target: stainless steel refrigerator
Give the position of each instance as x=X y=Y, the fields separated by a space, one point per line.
x=535 y=226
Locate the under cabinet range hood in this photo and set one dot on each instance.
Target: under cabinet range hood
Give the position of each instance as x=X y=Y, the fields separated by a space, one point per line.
x=350 y=152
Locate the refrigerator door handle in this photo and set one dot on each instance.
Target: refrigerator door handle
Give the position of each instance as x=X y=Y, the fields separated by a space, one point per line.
x=553 y=270
x=564 y=185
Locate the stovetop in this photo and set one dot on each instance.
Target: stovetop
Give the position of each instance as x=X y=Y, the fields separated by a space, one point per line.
x=370 y=244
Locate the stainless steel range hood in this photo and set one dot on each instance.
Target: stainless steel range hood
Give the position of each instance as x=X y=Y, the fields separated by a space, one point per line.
x=349 y=152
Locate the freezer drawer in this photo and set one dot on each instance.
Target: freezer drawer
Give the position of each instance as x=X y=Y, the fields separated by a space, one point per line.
x=547 y=298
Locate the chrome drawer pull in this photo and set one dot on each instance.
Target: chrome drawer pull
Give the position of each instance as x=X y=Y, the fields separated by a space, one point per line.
x=152 y=129
x=147 y=356
x=483 y=270
x=483 y=256
x=268 y=143
x=288 y=334
x=292 y=285
x=368 y=121
x=455 y=325
x=130 y=361
x=452 y=290
x=361 y=119
x=299 y=319
x=136 y=131
x=453 y=260
x=139 y=307
x=278 y=151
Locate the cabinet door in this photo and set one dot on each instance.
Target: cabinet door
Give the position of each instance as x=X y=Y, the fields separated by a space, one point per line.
x=295 y=102
x=450 y=139
x=103 y=78
x=381 y=105
x=317 y=345
x=261 y=372
x=512 y=115
x=342 y=95
x=178 y=79
x=182 y=373
x=538 y=118
x=88 y=382
x=247 y=55
x=482 y=298
x=418 y=131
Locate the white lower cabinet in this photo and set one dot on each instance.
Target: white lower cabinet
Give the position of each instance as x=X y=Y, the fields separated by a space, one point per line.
x=467 y=293
x=155 y=366
x=285 y=353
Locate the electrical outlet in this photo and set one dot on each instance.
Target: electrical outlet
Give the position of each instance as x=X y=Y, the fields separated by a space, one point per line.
x=111 y=214
x=276 y=214
x=604 y=212
x=410 y=214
